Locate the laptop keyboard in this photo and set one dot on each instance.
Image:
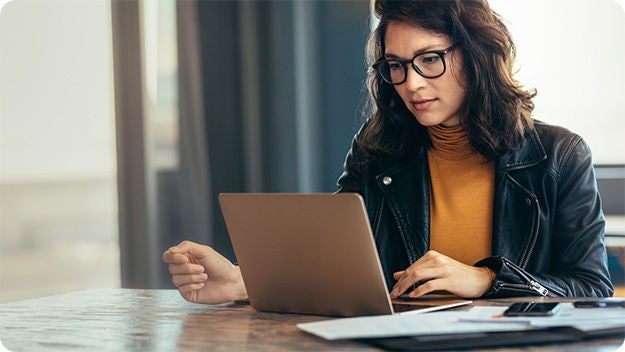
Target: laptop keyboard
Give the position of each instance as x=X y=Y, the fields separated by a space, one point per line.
x=399 y=307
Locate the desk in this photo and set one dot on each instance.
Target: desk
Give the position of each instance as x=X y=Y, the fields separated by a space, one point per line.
x=160 y=320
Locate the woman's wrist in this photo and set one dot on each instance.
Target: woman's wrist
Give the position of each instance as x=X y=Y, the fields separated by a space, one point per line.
x=491 y=275
x=241 y=291
x=487 y=282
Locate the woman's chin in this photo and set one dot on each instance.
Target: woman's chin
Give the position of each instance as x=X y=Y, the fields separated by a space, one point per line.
x=428 y=120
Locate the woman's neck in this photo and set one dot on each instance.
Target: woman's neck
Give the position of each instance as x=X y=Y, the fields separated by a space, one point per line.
x=450 y=143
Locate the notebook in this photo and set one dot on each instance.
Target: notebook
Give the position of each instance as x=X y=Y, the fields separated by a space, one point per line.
x=311 y=254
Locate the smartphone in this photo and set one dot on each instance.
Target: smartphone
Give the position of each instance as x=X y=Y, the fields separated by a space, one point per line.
x=533 y=309
x=601 y=303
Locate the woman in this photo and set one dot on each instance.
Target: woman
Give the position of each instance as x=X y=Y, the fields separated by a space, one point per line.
x=465 y=192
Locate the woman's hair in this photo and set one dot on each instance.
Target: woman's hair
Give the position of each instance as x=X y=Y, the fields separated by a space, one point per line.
x=496 y=109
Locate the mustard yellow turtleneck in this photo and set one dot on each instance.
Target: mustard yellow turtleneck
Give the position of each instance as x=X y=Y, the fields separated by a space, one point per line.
x=461 y=196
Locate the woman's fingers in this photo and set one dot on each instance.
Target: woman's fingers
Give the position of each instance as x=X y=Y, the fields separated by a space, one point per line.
x=193 y=249
x=188 y=268
x=182 y=280
x=202 y=275
x=411 y=276
x=430 y=286
x=398 y=274
x=190 y=292
x=438 y=272
x=175 y=258
x=187 y=251
x=435 y=271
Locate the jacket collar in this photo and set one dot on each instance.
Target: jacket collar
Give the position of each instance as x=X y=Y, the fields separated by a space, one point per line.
x=529 y=154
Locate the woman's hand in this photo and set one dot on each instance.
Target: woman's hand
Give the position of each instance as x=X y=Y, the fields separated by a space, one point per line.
x=202 y=275
x=438 y=272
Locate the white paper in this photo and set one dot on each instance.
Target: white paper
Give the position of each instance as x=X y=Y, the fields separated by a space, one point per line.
x=402 y=325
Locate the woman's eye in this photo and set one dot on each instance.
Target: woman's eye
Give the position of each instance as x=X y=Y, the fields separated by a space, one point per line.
x=394 y=66
x=429 y=59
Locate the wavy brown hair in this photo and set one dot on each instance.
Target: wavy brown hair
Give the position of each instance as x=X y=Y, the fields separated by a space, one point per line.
x=496 y=109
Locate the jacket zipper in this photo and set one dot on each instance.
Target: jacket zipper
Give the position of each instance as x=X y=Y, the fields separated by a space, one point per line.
x=535 y=230
x=378 y=219
x=515 y=287
x=535 y=225
x=532 y=284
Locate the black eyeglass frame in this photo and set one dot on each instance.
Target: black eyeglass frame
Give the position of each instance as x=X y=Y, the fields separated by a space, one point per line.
x=404 y=64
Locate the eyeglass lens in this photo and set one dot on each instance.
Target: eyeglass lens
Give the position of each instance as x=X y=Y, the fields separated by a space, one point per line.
x=429 y=65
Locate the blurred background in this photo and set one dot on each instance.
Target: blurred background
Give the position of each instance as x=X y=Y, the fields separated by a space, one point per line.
x=121 y=121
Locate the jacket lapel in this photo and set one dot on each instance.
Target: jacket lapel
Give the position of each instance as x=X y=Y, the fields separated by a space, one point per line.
x=516 y=211
x=405 y=187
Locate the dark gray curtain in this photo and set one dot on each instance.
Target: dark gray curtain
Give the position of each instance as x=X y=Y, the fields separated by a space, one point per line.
x=193 y=177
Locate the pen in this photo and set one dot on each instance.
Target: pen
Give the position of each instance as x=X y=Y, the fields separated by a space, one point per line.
x=599 y=304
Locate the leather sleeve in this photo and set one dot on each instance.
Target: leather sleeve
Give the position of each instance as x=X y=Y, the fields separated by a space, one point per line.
x=512 y=281
x=351 y=180
x=578 y=263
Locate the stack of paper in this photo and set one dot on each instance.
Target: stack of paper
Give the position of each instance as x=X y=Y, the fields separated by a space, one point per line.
x=478 y=319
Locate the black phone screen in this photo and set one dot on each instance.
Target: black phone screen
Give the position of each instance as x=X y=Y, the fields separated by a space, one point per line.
x=532 y=309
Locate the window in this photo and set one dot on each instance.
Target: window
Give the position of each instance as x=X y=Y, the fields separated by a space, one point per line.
x=58 y=203
x=572 y=52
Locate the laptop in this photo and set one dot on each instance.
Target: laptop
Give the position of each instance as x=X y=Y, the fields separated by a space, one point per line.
x=311 y=254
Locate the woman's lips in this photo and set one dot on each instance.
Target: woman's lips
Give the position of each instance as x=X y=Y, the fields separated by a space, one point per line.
x=422 y=104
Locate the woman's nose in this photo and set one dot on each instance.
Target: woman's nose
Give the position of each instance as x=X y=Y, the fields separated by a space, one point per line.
x=413 y=79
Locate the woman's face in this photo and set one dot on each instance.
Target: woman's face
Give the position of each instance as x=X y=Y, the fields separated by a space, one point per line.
x=432 y=101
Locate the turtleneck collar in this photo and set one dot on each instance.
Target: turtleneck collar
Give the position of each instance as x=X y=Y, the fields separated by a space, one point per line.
x=450 y=143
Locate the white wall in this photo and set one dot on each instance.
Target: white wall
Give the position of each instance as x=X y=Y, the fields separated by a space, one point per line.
x=573 y=52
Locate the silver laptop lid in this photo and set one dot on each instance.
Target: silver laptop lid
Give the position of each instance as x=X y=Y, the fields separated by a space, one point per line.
x=306 y=253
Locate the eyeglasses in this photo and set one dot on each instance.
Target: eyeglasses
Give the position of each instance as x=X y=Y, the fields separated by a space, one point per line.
x=429 y=64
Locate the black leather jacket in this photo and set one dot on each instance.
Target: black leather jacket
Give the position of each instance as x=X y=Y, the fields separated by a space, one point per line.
x=548 y=226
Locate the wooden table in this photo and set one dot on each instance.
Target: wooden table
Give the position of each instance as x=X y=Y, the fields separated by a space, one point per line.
x=160 y=320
